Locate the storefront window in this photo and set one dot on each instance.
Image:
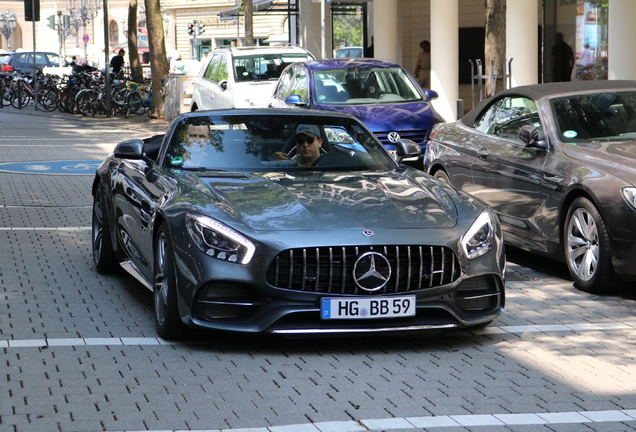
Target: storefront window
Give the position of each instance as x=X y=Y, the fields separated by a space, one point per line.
x=583 y=25
x=591 y=40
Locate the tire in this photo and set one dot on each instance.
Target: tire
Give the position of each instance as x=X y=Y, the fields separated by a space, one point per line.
x=47 y=100
x=86 y=102
x=167 y=318
x=440 y=174
x=588 y=250
x=104 y=256
x=133 y=103
x=21 y=101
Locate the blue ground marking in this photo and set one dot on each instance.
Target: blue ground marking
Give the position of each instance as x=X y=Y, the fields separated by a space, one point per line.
x=69 y=167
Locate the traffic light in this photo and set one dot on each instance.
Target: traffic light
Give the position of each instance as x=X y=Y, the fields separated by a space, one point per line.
x=190 y=29
x=51 y=23
x=67 y=22
x=200 y=29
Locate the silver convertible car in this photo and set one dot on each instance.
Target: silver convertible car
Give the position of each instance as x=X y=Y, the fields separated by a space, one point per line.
x=283 y=222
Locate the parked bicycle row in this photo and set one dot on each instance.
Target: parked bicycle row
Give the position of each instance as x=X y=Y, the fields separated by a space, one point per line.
x=83 y=92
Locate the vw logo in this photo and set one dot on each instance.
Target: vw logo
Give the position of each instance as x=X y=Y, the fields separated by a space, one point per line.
x=393 y=137
x=372 y=271
x=368 y=233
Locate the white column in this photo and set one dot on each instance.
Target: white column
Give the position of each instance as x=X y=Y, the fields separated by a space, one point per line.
x=445 y=56
x=385 y=27
x=310 y=19
x=621 y=37
x=522 y=28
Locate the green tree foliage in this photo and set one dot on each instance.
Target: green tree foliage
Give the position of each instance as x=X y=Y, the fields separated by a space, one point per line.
x=347 y=30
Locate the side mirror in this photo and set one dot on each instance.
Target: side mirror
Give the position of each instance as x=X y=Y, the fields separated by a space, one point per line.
x=406 y=148
x=130 y=149
x=223 y=85
x=431 y=94
x=529 y=134
x=294 y=100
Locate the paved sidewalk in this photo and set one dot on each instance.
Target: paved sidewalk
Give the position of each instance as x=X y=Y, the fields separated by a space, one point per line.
x=80 y=352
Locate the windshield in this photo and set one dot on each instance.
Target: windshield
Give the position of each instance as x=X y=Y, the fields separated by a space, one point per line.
x=368 y=85
x=265 y=66
x=274 y=143
x=596 y=116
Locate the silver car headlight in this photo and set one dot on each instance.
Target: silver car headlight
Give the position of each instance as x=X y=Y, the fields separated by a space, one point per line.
x=219 y=240
x=480 y=236
x=629 y=194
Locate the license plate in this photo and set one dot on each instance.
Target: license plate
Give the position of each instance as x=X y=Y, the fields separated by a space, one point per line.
x=367 y=308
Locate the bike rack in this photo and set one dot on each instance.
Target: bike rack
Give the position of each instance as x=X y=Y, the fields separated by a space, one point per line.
x=478 y=78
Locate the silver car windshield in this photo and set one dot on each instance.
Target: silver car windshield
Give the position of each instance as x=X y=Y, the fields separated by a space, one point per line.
x=274 y=143
x=264 y=67
x=605 y=116
x=368 y=85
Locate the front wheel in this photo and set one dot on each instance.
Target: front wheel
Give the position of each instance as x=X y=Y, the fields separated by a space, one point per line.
x=167 y=319
x=587 y=249
x=441 y=175
x=104 y=256
x=19 y=98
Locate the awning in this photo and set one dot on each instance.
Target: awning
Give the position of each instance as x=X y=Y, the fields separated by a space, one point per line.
x=257 y=6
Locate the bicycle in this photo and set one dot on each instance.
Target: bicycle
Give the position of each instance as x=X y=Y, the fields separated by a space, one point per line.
x=135 y=103
x=22 y=93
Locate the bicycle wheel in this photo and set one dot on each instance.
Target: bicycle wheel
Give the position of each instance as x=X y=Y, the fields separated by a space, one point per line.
x=47 y=100
x=118 y=99
x=133 y=104
x=19 y=99
x=86 y=102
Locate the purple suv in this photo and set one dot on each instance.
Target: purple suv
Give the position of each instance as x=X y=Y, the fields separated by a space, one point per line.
x=383 y=95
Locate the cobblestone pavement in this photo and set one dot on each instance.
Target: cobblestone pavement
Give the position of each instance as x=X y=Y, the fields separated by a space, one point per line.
x=80 y=353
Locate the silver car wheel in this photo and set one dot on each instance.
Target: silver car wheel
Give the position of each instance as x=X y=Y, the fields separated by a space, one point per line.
x=582 y=248
x=161 y=282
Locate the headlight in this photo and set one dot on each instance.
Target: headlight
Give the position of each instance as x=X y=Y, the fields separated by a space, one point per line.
x=218 y=240
x=480 y=236
x=629 y=194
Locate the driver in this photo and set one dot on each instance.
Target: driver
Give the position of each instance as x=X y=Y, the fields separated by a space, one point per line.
x=308 y=145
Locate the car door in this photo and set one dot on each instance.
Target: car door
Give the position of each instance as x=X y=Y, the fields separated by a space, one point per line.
x=506 y=173
x=225 y=89
x=294 y=81
x=138 y=190
x=206 y=85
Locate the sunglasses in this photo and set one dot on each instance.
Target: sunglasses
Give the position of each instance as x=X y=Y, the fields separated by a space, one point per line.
x=301 y=139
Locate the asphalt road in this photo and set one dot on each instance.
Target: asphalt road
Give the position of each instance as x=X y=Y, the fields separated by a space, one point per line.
x=79 y=350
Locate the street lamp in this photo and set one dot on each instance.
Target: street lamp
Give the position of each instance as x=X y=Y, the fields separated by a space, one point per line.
x=82 y=11
x=8 y=23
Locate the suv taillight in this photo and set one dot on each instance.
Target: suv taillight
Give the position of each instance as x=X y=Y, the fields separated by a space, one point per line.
x=6 y=68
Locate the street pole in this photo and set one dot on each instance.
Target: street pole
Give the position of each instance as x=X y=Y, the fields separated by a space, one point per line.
x=106 y=62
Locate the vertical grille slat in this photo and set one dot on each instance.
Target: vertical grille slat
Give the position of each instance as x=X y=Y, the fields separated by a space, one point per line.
x=330 y=269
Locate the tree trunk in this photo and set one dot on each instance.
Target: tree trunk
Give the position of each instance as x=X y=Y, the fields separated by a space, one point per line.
x=158 y=61
x=133 y=52
x=495 y=45
x=249 y=22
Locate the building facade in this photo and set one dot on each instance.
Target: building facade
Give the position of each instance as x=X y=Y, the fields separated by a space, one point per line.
x=455 y=29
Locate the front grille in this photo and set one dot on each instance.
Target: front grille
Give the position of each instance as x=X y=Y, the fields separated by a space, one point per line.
x=330 y=269
x=418 y=136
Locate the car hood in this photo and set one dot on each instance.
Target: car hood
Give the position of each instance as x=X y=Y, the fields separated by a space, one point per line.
x=390 y=117
x=337 y=200
x=616 y=157
x=253 y=94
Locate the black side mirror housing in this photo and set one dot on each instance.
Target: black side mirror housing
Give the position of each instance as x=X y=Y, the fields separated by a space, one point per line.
x=406 y=148
x=529 y=134
x=129 y=149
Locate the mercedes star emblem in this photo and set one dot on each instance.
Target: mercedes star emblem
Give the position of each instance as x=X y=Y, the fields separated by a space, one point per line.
x=372 y=271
